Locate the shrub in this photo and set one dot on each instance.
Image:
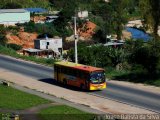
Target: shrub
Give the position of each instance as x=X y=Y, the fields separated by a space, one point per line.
x=14 y=46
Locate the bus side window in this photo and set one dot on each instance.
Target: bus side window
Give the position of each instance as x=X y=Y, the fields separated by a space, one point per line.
x=63 y=69
x=55 y=68
x=67 y=71
x=79 y=73
x=83 y=75
x=59 y=69
x=75 y=73
x=87 y=76
x=72 y=72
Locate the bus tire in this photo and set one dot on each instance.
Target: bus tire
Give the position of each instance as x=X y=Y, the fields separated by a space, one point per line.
x=65 y=82
x=82 y=87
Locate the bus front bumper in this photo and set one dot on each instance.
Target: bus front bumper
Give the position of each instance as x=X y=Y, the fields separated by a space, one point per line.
x=97 y=86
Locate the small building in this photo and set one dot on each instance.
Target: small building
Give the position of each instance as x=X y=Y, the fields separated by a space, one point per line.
x=13 y=16
x=49 y=44
x=41 y=53
x=83 y=14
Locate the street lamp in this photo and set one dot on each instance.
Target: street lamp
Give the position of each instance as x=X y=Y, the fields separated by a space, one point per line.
x=75 y=39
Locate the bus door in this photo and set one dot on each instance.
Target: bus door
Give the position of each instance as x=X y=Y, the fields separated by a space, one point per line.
x=58 y=72
x=55 y=72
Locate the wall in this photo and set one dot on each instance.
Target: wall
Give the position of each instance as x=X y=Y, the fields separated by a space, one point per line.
x=54 y=44
x=83 y=14
x=12 y=18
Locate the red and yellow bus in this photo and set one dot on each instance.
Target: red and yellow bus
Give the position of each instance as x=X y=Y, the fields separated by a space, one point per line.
x=85 y=77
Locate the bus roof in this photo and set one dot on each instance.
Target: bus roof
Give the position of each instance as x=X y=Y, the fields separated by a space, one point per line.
x=78 y=66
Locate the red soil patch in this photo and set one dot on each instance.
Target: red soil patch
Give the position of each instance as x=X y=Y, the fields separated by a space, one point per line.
x=87 y=30
x=23 y=38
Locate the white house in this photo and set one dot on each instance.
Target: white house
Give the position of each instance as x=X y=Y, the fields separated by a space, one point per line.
x=83 y=14
x=49 y=43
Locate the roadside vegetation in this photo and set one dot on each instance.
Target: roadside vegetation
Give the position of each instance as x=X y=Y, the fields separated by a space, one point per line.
x=7 y=4
x=135 y=61
x=15 y=99
x=11 y=52
x=64 y=112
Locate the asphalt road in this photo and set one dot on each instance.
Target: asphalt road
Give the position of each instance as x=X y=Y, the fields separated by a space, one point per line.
x=119 y=93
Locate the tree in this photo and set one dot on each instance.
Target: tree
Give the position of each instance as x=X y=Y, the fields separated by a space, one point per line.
x=12 y=5
x=146 y=55
x=113 y=14
x=119 y=15
x=99 y=55
x=151 y=13
x=3 y=39
x=103 y=16
x=99 y=36
x=14 y=46
x=62 y=23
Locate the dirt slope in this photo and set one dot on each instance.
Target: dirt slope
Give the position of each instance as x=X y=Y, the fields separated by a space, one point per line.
x=87 y=30
x=22 y=38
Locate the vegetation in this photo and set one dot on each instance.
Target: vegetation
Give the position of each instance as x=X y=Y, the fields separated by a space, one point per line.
x=98 y=55
x=150 y=12
x=140 y=60
x=13 y=53
x=14 y=46
x=1 y=115
x=14 y=99
x=63 y=112
x=12 y=4
x=135 y=61
x=47 y=28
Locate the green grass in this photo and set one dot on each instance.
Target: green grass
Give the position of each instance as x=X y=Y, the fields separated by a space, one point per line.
x=134 y=76
x=1 y=116
x=112 y=73
x=63 y=112
x=5 y=116
x=11 y=52
x=153 y=82
x=11 y=98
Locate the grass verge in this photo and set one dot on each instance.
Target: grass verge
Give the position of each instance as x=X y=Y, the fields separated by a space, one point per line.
x=134 y=77
x=63 y=112
x=1 y=114
x=8 y=51
x=11 y=98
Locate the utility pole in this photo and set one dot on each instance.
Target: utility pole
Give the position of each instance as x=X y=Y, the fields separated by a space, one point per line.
x=76 y=39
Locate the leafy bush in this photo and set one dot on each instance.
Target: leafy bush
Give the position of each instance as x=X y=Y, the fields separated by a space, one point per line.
x=11 y=5
x=14 y=46
x=3 y=40
x=11 y=52
x=47 y=28
x=13 y=29
x=146 y=55
x=98 y=55
x=7 y=51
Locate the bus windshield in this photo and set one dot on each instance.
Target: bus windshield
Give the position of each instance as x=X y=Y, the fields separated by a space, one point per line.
x=97 y=77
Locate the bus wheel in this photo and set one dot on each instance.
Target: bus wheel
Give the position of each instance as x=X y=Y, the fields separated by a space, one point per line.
x=65 y=82
x=82 y=87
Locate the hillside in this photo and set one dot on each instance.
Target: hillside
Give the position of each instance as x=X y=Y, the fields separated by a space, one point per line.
x=87 y=30
x=26 y=40
x=7 y=4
